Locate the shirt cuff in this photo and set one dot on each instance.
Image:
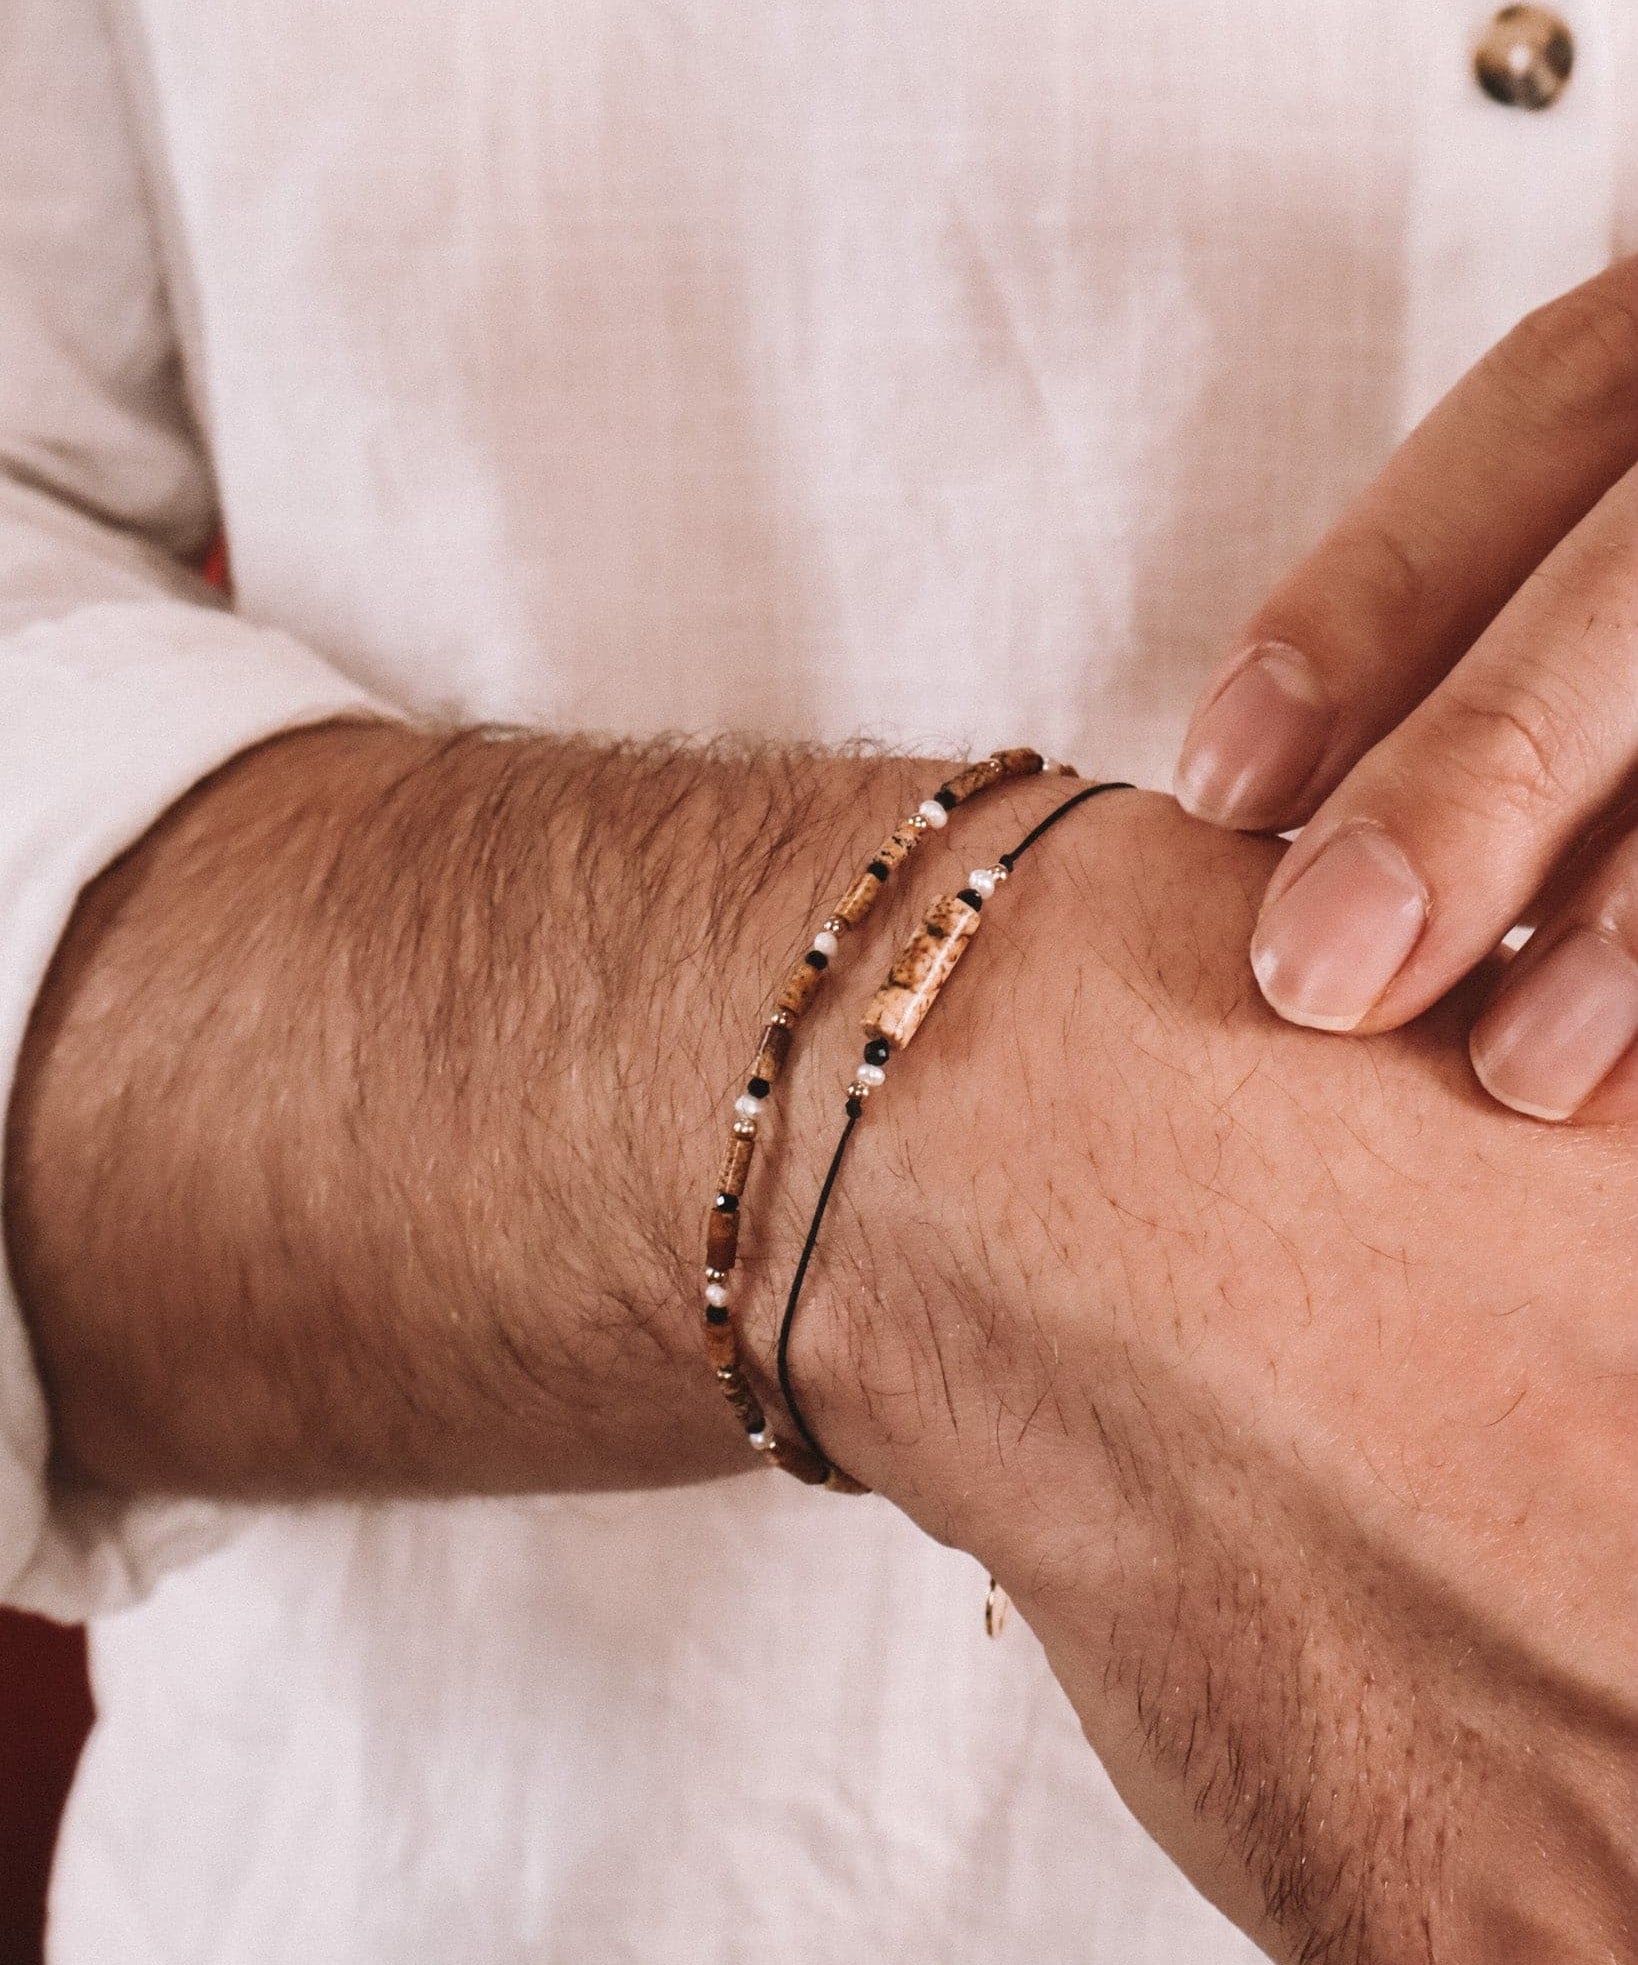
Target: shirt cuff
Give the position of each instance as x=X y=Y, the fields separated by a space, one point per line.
x=107 y=716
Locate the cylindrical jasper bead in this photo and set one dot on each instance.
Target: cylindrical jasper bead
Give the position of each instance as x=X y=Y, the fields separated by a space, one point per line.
x=859 y=899
x=736 y=1164
x=745 y=1404
x=801 y=986
x=1020 y=763
x=721 y=1345
x=924 y=963
x=795 y=1459
x=773 y=1047
x=974 y=777
x=721 y=1239
x=897 y=847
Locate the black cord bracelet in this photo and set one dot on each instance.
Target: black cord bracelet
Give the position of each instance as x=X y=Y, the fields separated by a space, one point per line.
x=896 y=1012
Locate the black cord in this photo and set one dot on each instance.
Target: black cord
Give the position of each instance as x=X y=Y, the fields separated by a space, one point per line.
x=782 y=1356
x=1010 y=860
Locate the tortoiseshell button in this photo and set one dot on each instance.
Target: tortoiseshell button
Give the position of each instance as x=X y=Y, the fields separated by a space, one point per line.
x=1525 y=58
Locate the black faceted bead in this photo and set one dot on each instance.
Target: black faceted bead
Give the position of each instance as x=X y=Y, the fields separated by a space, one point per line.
x=759 y=1088
x=973 y=899
x=727 y=1204
x=878 y=1051
x=816 y=958
x=716 y=1313
x=945 y=797
x=878 y=868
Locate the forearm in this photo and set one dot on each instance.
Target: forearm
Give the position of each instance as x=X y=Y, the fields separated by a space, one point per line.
x=365 y=1126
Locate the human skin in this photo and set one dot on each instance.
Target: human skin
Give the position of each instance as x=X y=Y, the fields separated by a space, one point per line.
x=1443 y=693
x=1346 y=1591
x=362 y=1142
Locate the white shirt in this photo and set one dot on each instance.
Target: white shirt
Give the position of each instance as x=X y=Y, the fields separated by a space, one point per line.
x=957 y=371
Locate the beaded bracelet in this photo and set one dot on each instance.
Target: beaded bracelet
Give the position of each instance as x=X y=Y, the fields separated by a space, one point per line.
x=896 y=1013
x=795 y=997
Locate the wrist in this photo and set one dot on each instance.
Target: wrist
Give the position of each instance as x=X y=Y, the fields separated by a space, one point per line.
x=916 y=1347
x=812 y=1093
x=809 y=821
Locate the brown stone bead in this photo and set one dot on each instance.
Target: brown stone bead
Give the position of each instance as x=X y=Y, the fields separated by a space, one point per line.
x=773 y=1048
x=736 y=1164
x=747 y=1408
x=974 y=778
x=859 y=899
x=721 y=1240
x=794 y=1458
x=897 y=847
x=721 y=1345
x=921 y=970
x=1020 y=763
x=801 y=986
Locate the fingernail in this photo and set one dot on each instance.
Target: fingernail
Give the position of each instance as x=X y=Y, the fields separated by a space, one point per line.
x=1325 y=951
x=1551 y=1038
x=1255 y=745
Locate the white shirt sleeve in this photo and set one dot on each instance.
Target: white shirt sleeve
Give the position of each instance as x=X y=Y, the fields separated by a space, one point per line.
x=123 y=678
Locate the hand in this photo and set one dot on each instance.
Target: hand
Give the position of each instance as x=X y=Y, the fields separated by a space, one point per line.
x=1446 y=692
x=1288 y=1386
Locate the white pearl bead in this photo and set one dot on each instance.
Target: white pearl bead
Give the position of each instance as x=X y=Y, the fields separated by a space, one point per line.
x=747 y=1105
x=871 y=1074
x=761 y=1440
x=717 y=1296
x=933 y=813
x=826 y=943
x=982 y=882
